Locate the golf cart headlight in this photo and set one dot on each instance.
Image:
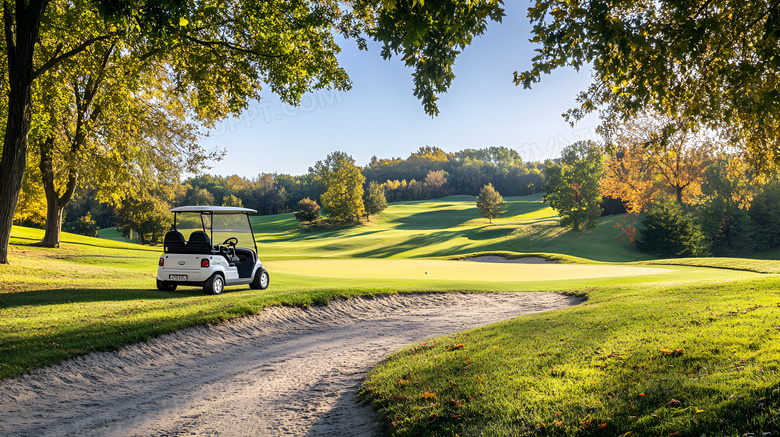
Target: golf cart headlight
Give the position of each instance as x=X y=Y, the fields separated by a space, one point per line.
x=162 y=261
x=204 y=262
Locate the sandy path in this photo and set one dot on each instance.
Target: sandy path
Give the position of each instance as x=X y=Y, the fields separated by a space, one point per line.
x=286 y=371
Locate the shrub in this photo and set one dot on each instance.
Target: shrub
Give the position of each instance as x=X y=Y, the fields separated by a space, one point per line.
x=670 y=231
x=83 y=225
x=308 y=211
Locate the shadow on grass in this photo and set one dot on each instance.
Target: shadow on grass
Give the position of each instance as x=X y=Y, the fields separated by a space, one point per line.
x=421 y=241
x=60 y=296
x=35 y=242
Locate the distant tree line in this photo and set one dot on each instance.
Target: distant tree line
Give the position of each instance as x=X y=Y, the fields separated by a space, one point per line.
x=682 y=199
x=427 y=173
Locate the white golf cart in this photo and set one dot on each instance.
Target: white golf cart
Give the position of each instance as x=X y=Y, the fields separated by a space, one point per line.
x=195 y=261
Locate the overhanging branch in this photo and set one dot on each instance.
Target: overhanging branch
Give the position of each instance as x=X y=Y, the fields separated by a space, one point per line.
x=231 y=47
x=76 y=50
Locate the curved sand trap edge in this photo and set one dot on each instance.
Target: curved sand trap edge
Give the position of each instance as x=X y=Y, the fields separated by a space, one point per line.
x=284 y=372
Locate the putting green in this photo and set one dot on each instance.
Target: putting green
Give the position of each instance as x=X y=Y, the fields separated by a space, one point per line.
x=454 y=270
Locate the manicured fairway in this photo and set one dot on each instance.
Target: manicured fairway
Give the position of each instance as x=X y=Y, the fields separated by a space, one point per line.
x=456 y=270
x=521 y=276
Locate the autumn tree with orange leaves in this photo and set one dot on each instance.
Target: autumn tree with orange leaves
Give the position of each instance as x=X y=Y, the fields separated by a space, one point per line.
x=655 y=157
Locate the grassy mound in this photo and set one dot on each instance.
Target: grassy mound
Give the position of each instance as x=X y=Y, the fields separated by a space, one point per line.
x=445 y=228
x=693 y=359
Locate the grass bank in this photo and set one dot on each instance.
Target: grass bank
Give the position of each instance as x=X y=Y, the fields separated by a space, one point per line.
x=446 y=227
x=696 y=358
x=98 y=295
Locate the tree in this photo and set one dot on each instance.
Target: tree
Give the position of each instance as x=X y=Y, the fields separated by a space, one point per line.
x=654 y=156
x=148 y=213
x=232 y=200
x=308 y=210
x=149 y=217
x=221 y=53
x=374 y=199
x=670 y=231
x=710 y=63
x=572 y=189
x=436 y=182
x=727 y=192
x=765 y=215
x=343 y=198
x=199 y=196
x=109 y=115
x=489 y=203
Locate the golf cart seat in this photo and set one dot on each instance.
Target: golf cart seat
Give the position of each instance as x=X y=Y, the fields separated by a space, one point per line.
x=199 y=243
x=174 y=242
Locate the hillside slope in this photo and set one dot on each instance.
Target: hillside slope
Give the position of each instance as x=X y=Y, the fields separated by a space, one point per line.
x=446 y=227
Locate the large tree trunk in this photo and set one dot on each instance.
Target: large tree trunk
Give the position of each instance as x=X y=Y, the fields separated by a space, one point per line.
x=55 y=202
x=20 y=46
x=53 y=223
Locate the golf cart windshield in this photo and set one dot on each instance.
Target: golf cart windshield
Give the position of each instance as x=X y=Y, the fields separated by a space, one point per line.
x=224 y=226
x=219 y=223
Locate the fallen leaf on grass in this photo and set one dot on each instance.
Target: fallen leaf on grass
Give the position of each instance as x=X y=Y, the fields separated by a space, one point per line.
x=427 y=395
x=672 y=351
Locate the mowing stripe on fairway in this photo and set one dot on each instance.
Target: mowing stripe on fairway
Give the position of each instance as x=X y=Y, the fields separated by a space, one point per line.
x=455 y=270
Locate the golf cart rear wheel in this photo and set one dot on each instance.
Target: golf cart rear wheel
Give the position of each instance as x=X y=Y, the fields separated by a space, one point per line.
x=214 y=285
x=165 y=286
x=261 y=281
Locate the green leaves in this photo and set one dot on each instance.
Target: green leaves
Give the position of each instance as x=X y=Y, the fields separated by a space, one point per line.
x=428 y=36
x=707 y=61
x=489 y=203
x=343 y=198
x=573 y=187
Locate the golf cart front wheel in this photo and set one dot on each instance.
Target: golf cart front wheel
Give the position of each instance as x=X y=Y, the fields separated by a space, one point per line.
x=214 y=285
x=165 y=286
x=261 y=281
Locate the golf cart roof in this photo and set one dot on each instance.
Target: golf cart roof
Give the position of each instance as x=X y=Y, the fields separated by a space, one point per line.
x=213 y=209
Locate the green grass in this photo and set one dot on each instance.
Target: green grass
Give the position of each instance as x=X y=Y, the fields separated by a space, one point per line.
x=113 y=234
x=444 y=228
x=95 y=294
x=600 y=368
x=98 y=294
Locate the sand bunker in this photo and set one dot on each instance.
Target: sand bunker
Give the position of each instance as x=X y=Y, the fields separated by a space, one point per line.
x=498 y=259
x=284 y=372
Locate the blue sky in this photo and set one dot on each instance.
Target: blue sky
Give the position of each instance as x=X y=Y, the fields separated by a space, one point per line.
x=380 y=115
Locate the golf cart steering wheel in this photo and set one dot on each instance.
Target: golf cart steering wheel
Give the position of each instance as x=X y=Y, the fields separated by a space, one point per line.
x=232 y=241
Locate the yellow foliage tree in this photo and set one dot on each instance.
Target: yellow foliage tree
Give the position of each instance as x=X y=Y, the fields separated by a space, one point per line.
x=654 y=157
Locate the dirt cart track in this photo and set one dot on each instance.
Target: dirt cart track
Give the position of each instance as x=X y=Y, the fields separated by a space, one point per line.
x=286 y=371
